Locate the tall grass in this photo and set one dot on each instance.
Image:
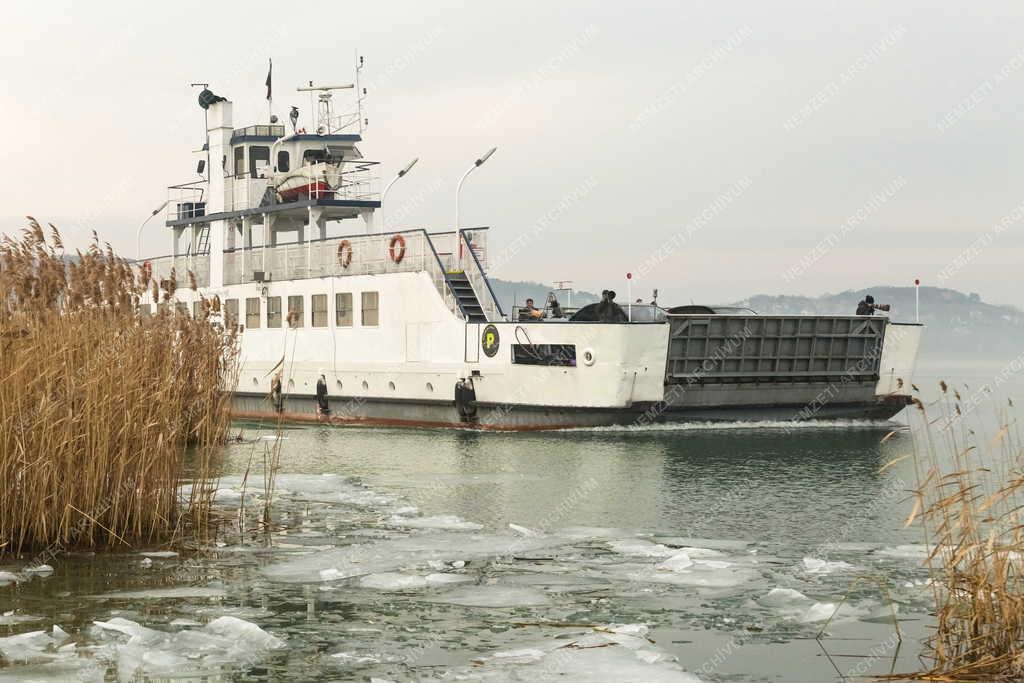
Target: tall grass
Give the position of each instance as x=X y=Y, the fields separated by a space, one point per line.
x=969 y=497
x=104 y=413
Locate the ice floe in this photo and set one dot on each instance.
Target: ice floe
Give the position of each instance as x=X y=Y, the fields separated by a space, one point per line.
x=494 y=596
x=179 y=592
x=400 y=554
x=398 y=581
x=9 y=618
x=641 y=547
x=910 y=551
x=813 y=565
x=33 y=646
x=443 y=522
x=612 y=653
x=138 y=651
x=783 y=597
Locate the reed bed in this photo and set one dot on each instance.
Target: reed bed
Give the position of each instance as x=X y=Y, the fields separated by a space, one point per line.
x=105 y=414
x=968 y=502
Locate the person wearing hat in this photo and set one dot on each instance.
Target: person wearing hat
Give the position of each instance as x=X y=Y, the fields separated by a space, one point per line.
x=866 y=306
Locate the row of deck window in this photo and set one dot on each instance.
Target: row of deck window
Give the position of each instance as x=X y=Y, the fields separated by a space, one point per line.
x=273 y=316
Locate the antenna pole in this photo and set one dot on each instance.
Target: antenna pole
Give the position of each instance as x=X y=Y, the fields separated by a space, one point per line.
x=359 y=92
x=206 y=131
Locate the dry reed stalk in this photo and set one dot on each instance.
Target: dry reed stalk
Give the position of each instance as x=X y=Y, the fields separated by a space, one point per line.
x=104 y=414
x=969 y=498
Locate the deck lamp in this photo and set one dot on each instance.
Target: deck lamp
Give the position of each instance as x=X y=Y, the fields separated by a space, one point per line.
x=401 y=174
x=458 y=191
x=138 y=237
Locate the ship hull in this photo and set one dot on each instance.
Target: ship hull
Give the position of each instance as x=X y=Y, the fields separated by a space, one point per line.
x=356 y=411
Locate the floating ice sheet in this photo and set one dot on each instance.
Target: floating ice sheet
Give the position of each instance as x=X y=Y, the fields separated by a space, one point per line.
x=813 y=565
x=179 y=592
x=398 y=581
x=403 y=553
x=223 y=644
x=445 y=522
x=612 y=653
x=494 y=596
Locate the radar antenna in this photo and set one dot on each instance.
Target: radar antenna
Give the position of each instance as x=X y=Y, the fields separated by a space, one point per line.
x=323 y=110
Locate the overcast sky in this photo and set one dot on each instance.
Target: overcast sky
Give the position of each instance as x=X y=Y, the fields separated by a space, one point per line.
x=717 y=150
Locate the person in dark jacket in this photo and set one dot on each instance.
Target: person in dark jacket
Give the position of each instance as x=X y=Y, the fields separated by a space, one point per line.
x=322 y=406
x=608 y=311
x=866 y=306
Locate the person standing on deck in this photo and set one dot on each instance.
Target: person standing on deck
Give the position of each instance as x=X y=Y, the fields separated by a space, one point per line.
x=276 y=397
x=322 y=406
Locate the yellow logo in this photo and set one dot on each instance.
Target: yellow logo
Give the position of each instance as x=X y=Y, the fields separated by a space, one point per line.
x=490 y=341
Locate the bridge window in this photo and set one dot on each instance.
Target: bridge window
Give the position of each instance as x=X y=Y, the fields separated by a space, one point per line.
x=370 y=309
x=319 y=310
x=282 y=161
x=239 y=160
x=343 y=309
x=252 y=313
x=296 y=316
x=274 y=311
x=562 y=355
x=258 y=158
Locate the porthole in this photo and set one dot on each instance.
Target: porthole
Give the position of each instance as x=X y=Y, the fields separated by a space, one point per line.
x=430 y=387
x=391 y=386
x=366 y=385
x=588 y=357
x=338 y=382
x=291 y=384
x=255 y=382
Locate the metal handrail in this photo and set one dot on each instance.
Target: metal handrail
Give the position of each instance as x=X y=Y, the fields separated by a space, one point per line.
x=495 y=304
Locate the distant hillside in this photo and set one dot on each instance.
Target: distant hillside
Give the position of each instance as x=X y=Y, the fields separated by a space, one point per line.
x=957 y=322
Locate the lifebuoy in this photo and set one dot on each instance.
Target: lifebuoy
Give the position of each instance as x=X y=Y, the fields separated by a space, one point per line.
x=397 y=254
x=344 y=253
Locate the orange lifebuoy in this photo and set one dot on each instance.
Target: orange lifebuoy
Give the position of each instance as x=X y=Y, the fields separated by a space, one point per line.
x=397 y=254
x=344 y=253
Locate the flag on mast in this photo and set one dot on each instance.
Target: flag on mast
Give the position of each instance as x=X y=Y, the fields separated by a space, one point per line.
x=270 y=71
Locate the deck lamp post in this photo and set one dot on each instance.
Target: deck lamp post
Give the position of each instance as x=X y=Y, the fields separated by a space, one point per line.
x=384 y=194
x=138 y=237
x=458 y=191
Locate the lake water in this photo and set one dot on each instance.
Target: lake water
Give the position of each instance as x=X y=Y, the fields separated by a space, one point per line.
x=696 y=553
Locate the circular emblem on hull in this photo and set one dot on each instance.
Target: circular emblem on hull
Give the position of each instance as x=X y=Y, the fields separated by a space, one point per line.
x=490 y=341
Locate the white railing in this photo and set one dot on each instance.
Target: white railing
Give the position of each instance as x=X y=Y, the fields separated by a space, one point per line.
x=355 y=182
x=199 y=266
x=186 y=200
x=473 y=243
x=370 y=255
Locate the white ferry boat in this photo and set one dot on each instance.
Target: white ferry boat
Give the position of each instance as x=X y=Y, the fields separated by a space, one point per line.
x=402 y=326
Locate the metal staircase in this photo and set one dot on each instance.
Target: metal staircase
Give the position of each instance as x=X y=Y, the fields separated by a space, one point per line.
x=466 y=297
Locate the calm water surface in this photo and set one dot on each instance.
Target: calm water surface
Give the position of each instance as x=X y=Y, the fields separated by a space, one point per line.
x=705 y=553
